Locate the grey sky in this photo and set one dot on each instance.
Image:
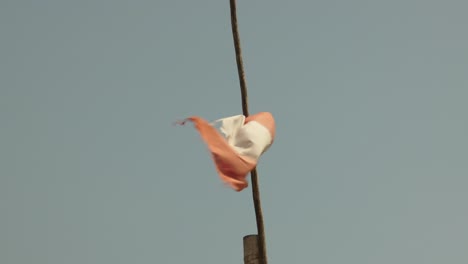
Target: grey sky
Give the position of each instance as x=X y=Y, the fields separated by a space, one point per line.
x=369 y=163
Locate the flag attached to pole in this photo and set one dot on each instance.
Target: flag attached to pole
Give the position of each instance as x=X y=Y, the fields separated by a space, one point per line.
x=237 y=150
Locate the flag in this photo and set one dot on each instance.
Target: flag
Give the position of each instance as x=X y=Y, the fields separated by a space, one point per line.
x=237 y=149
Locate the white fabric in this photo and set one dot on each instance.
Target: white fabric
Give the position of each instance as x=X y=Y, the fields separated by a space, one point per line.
x=230 y=126
x=251 y=139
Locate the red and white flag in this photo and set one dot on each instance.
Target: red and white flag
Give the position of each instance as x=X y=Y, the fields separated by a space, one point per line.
x=236 y=151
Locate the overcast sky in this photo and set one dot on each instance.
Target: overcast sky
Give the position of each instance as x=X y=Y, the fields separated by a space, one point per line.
x=369 y=164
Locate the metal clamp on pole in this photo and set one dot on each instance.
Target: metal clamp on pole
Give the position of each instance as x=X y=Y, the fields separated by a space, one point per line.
x=251 y=250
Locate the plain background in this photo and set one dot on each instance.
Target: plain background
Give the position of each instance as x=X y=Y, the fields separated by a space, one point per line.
x=369 y=164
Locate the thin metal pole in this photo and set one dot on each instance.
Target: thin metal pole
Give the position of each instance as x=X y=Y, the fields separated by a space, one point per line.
x=245 y=110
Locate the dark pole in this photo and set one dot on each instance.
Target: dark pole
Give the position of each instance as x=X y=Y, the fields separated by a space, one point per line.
x=245 y=110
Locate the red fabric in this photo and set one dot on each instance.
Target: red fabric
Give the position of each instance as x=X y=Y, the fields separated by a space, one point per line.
x=231 y=166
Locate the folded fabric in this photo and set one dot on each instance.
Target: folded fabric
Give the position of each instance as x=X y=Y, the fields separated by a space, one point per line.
x=237 y=152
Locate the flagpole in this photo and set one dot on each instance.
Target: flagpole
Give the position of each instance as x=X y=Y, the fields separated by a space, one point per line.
x=245 y=109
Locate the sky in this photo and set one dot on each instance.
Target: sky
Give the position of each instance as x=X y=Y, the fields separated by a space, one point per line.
x=369 y=164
